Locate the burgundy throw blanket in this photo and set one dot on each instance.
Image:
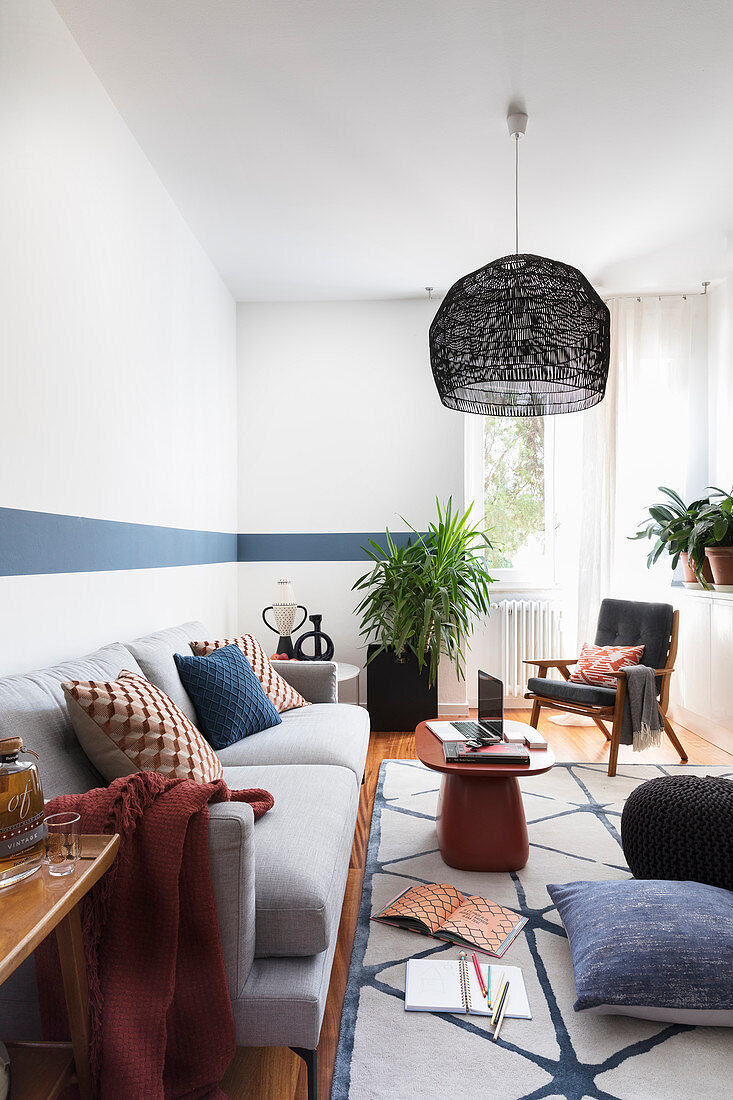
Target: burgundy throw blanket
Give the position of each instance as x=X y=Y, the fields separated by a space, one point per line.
x=161 y=1019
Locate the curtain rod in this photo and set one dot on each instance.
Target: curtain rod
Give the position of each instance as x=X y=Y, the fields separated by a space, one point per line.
x=679 y=294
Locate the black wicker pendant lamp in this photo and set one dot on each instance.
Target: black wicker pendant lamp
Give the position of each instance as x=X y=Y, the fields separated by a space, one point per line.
x=523 y=336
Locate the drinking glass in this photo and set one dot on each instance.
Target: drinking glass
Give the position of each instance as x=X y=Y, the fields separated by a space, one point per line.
x=63 y=842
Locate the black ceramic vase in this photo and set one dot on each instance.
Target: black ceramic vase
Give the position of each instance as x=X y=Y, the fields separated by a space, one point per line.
x=322 y=644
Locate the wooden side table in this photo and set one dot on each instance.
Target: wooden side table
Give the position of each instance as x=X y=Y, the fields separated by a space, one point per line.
x=29 y=912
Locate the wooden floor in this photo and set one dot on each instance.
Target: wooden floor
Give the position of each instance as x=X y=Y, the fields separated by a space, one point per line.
x=275 y=1073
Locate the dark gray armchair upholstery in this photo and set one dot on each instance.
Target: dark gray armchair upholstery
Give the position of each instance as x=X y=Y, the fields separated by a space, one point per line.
x=566 y=692
x=620 y=622
x=630 y=622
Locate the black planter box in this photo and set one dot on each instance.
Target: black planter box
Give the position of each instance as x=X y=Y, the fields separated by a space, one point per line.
x=398 y=696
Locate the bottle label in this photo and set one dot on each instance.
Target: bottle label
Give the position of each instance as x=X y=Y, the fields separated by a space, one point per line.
x=17 y=838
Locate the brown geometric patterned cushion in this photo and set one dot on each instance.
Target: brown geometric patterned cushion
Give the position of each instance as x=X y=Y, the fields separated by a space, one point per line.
x=128 y=725
x=278 y=691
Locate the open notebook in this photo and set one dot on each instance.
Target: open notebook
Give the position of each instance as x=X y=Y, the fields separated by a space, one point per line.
x=442 y=985
x=438 y=909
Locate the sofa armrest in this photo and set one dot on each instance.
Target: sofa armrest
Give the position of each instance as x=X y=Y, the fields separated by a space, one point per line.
x=315 y=680
x=232 y=861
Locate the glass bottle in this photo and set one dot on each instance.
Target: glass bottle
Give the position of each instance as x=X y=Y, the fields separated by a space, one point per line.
x=22 y=817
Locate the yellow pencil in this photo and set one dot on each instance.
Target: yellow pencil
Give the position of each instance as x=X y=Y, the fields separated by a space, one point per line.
x=496 y=1001
x=502 y=1013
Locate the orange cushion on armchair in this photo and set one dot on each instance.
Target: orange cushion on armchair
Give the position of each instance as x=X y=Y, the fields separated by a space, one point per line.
x=597 y=662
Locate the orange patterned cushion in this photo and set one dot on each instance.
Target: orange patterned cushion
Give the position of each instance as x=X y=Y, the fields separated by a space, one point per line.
x=596 y=662
x=128 y=725
x=278 y=691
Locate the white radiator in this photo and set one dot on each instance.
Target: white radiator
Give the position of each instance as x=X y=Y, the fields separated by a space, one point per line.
x=529 y=628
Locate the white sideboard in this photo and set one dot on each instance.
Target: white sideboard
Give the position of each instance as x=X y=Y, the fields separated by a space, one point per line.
x=702 y=686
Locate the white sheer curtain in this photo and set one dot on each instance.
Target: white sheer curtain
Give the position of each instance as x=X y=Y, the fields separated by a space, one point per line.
x=650 y=430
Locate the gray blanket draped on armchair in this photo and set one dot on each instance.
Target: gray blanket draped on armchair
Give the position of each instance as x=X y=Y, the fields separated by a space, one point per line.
x=641 y=725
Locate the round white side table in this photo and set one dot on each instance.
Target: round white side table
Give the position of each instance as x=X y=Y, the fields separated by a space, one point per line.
x=346 y=672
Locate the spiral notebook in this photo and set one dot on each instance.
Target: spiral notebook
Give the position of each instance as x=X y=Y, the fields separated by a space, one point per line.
x=441 y=985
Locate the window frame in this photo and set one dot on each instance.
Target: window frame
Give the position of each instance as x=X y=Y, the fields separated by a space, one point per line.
x=473 y=488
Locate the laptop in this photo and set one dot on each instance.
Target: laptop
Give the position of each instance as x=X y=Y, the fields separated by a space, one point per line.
x=490 y=724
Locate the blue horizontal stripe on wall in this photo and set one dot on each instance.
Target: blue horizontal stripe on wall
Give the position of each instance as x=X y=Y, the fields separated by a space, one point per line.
x=44 y=542
x=328 y=546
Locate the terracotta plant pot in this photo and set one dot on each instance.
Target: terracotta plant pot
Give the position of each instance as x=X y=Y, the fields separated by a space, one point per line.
x=721 y=563
x=689 y=572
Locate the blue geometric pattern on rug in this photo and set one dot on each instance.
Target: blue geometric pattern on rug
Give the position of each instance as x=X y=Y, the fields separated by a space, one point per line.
x=570 y=1074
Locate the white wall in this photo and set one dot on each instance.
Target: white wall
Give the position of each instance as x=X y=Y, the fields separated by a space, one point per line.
x=338 y=397
x=59 y=615
x=720 y=382
x=341 y=429
x=117 y=351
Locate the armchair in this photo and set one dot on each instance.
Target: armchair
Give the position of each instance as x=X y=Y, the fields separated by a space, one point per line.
x=620 y=622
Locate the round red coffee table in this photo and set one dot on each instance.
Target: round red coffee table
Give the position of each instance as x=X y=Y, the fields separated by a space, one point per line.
x=480 y=822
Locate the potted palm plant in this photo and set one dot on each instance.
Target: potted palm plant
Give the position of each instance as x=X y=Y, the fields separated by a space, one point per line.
x=420 y=603
x=671 y=523
x=711 y=540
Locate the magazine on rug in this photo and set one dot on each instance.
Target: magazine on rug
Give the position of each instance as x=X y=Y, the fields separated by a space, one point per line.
x=439 y=910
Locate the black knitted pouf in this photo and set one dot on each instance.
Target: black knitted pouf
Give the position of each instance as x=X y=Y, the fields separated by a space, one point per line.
x=680 y=827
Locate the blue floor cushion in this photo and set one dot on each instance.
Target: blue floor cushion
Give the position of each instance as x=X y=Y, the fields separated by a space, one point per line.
x=229 y=699
x=655 y=949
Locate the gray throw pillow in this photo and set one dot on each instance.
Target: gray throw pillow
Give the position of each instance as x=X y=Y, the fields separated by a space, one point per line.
x=654 y=949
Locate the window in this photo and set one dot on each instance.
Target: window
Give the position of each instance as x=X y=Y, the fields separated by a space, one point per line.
x=509 y=468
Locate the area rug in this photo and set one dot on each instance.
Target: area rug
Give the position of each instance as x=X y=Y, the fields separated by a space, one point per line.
x=574 y=814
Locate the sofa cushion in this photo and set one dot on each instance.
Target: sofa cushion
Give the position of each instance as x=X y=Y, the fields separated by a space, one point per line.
x=566 y=692
x=129 y=725
x=653 y=949
x=154 y=654
x=32 y=706
x=281 y=694
x=323 y=733
x=229 y=699
x=302 y=850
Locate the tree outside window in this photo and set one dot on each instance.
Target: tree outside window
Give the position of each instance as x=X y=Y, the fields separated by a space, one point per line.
x=514 y=494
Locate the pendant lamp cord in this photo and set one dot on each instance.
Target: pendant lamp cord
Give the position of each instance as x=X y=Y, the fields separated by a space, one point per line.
x=516 y=194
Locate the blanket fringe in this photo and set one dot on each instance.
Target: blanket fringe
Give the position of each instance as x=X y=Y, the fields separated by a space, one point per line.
x=647 y=738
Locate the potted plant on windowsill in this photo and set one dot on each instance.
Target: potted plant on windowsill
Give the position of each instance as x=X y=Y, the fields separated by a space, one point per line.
x=671 y=524
x=420 y=603
x=711 y=539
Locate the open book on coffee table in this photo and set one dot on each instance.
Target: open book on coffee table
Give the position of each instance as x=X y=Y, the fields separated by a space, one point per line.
x=439 y=910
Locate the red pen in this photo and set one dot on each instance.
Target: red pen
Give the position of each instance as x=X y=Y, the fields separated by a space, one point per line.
x=479 y=975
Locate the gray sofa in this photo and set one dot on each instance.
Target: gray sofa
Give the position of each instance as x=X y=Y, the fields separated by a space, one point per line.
x=279 y=884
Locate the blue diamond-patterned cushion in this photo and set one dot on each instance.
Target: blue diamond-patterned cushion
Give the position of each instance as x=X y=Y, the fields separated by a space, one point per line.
x=229 y=699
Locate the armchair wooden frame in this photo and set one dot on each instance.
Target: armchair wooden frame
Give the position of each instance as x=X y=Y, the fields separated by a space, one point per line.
x=602 y=714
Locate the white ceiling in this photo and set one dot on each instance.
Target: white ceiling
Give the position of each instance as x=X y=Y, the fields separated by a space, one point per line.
x=358 y=148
